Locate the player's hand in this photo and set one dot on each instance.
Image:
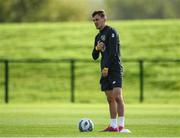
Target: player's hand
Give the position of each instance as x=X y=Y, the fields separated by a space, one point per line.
x=105 y=72
x=100 y=46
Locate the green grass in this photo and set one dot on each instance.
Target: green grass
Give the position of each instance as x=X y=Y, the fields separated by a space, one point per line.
x=155 y=120
x=141 y=39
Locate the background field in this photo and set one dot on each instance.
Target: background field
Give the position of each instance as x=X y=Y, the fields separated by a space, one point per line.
x=148 y=39
x=40 y=93
x=153 y=120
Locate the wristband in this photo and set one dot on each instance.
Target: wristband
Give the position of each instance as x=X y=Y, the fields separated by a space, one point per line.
x=96 y=48
x=105 y=69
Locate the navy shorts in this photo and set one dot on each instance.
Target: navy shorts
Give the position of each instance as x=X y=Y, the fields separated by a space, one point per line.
x=114 y=79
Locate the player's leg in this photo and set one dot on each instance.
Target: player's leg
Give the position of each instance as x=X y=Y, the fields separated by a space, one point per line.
x=112 y=110
x=107 y=88
x=117 y=91
x=112 y=104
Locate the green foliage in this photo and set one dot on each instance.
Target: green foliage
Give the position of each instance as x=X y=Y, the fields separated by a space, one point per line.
x=64 y=10
x=20 y=10
x=142 y=9
x=78 y=10
x=42 y=10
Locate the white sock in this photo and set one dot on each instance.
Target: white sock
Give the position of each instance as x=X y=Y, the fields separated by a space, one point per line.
x=113 y=123
x=121 y=121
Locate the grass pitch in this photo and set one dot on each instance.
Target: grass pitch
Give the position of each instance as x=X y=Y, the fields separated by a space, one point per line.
x=60 y=120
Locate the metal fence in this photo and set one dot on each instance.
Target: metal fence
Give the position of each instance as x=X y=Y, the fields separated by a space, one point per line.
x=72 y=63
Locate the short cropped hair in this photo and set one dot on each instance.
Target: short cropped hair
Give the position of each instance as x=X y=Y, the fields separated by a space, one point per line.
x=101 y=13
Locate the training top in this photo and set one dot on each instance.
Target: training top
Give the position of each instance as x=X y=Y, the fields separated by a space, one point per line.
x=110 y=55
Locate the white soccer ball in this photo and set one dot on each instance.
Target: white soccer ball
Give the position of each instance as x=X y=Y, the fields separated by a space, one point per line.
x=85 y=125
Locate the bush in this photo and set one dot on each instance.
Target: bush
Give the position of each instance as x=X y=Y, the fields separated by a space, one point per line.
x=42 y=10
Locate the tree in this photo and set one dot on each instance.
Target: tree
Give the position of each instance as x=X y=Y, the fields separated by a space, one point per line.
x=42 y=10
x=142 y=9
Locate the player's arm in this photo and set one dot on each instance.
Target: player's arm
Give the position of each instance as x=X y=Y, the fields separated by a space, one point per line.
x=98 y=47
x=95 y=52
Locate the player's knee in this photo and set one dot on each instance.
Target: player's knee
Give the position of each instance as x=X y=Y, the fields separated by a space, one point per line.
x=110 y=100
x=119 y=99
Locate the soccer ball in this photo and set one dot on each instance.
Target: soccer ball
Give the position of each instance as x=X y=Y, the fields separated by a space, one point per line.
x=85 y=125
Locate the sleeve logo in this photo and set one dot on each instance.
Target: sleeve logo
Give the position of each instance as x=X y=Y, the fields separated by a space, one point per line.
x=113 y=35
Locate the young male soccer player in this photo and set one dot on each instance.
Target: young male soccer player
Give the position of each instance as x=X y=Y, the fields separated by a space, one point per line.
x=107 y=43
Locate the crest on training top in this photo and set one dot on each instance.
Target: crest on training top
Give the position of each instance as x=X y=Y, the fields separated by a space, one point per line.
x=103 y=37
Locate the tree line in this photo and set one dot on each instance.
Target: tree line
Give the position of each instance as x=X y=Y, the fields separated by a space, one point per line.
x=42 y=10
x=77 y=10
x=143 y=9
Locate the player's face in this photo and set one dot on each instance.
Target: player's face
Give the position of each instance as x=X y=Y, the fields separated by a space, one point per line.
x=99 y=21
